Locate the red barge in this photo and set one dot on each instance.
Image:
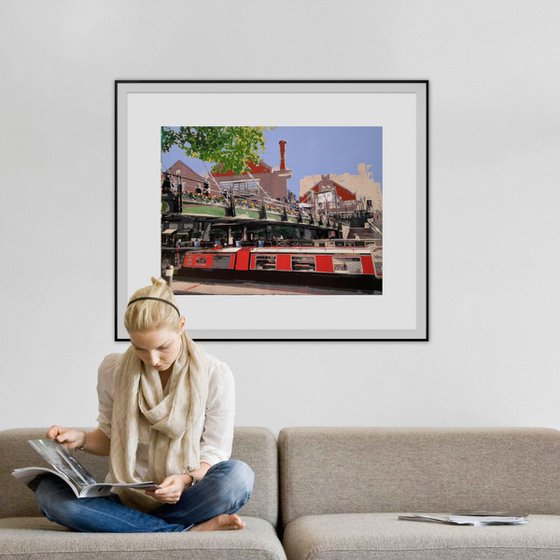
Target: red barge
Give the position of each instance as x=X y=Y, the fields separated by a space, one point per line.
x=348 y=268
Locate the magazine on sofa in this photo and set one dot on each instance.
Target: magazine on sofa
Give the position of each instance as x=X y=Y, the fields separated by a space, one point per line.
x=476 y=518
x=68 y=468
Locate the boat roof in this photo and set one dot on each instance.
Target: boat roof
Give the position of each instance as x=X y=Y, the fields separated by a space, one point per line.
x=311 y=250
x=290 y=250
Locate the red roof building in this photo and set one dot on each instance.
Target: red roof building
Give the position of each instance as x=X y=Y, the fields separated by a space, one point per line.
x=330 y=196
x=260 y=177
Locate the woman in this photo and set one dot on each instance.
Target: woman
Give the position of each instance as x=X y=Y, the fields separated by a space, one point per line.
x=166 y=414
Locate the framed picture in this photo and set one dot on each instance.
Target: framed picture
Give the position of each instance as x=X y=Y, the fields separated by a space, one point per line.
x=278 y=210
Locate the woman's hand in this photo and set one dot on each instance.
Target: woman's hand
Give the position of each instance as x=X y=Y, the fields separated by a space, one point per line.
x=70 y=438
x=170 y=490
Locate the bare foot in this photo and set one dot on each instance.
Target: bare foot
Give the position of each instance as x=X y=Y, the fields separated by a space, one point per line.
x=222 y=522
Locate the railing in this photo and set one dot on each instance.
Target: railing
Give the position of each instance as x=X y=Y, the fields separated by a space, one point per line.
x=375 y=229
x=249 y=207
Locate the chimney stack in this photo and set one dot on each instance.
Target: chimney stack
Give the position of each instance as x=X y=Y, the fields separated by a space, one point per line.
x=282 y=154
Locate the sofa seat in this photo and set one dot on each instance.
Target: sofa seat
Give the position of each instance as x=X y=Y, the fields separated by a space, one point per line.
x=36 y=538
x=376 y=536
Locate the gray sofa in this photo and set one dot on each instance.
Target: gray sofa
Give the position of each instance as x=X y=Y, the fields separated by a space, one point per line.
x=25 y=535
x=342 y=489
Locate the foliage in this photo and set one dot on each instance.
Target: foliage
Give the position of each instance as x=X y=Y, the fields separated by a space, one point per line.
x=231 y=147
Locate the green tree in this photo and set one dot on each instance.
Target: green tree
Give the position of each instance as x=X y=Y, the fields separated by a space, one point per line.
x=230 y=147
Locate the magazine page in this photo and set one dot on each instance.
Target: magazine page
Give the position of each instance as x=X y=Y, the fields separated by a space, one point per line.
x=104 y=488
x=63 y=462
x=490 y=518
x=69 y=469
x=28 y=474
x=427 y=518
x=476 y=519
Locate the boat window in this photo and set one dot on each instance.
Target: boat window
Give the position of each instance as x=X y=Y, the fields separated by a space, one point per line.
x=303 y=262
x=347 y=264
x=265 y=262
x=221 y=261
x=200 y=260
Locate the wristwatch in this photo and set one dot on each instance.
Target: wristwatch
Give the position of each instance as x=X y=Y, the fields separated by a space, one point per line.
x=195 y=479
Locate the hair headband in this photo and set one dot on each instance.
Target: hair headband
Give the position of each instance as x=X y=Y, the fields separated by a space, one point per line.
x=155 y=299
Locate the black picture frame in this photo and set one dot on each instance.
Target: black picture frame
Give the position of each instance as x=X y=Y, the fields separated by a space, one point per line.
x=400 y=314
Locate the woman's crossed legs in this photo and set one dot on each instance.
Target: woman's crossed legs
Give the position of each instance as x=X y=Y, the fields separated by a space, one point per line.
x=210 y=505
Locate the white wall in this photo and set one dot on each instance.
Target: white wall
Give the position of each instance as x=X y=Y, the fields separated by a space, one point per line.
x=494 y=74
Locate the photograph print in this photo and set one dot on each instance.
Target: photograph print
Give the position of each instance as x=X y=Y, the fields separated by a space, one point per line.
x=282 y=210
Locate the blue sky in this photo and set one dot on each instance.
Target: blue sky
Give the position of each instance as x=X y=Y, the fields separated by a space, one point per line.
x=312 y=150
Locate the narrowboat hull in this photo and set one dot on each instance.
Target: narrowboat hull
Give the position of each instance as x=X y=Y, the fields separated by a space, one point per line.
x=350 y=282
x=352 y=269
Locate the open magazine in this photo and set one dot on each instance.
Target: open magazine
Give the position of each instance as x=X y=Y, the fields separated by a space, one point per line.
x=68 y=468
x=477 y=518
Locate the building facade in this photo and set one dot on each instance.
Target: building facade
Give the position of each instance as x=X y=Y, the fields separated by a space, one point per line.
x=262 y=179
x=362 y=185
x=191 y=181
x=331 y=197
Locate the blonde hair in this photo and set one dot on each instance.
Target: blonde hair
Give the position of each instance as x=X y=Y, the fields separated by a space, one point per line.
x=148 y=314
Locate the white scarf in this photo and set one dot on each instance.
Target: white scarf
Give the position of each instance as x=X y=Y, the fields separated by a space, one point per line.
x=174 y=419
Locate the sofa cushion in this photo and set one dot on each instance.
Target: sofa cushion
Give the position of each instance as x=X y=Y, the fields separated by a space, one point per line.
x=382 y=536
x=363 y=470
x=256 y=446
x=39 y=539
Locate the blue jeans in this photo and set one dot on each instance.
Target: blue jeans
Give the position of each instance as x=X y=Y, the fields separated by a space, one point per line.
x=226 y=487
